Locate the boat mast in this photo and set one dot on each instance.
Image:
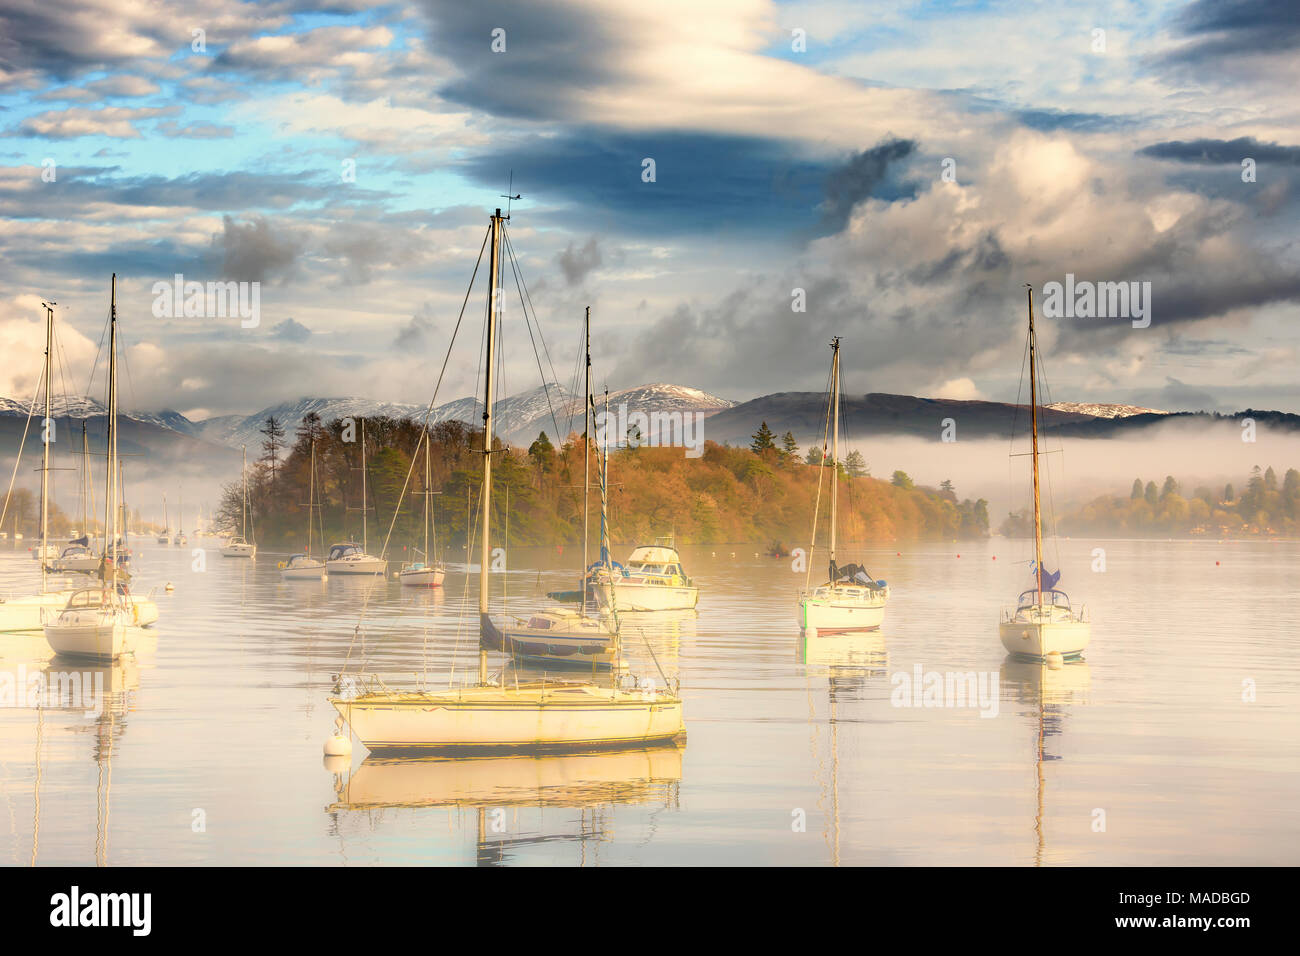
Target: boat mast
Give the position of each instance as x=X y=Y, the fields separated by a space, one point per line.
x=1033 y=428
x=494 y=279
x=85 y=483
x=311 y=494
x=243 y=505
x=586 y=455
x=835 y=440
x=45 y=435
x=365 y=503
x=110 y=478
x=428 y=473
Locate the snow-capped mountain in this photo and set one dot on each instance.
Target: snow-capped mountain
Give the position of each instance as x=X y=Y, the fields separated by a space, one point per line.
x=1103 y=410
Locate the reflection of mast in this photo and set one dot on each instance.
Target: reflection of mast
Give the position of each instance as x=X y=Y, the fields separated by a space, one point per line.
x=36 y=792
x=1038 y=767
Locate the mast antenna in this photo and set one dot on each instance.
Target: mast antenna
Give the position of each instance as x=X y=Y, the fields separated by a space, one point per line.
x=507 y=195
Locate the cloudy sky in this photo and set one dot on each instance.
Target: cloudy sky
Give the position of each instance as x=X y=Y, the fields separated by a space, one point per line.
x=347 y=156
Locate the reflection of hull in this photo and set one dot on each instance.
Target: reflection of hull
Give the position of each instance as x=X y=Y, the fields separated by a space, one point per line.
x=860 y=650
x=1032 y=639
x=93 y=634
x=647 y=597
x=540 y=716
x=421 y=577
x=1035 y=682
x=28 y=613
x=568 y=780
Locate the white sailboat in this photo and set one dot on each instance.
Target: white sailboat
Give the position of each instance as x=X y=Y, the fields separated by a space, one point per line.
x=428 y=573
x=851 y=599
x=538 y=715
x=166 y=535
x=27 y=612
x=79 y=554
x=349 y=558
x=306 y=567
x=1042 y=623
x=563 y=636
x=239 y=546
x=180 y=540
x=102 y=623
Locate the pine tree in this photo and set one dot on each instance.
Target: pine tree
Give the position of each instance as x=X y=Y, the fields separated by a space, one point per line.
x=274 y=433
x=790 y=446
x=763 y=440
x=855 y=465
x=1136 y=493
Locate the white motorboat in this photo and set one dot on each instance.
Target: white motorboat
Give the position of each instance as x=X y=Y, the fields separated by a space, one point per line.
x=500 y=716
x=851 y=599
x=1043 y=622
x=237 y=547
x=651 y=579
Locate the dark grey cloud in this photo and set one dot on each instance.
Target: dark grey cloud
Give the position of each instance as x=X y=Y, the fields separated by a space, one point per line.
x=1226 y=152
x=553 y=53
x=256 y=251
x=705 y=183
x=858 y=179
x=576 y=261
x=1229 y=28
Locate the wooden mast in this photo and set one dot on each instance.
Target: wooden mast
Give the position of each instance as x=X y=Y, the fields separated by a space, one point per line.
x=45 y=440
x=586 y=455
x=1033 y=423
x=110 y=478
x=494 y=279
x=835 y=440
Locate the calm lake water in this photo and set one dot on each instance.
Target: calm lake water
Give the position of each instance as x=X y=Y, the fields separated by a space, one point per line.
x=209 y=749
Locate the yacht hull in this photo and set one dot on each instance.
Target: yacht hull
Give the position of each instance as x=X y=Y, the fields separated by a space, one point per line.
x=826 y=617
x=525 y=718
x=421 y=577
x=1036 y=640
x=366 y=566
x=239 y=551
x=28 y=614
x=553 y=648
x=91 y=635
x=647 y=597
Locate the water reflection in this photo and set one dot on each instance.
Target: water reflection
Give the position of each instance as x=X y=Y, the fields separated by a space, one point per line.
x=593 y=783
x=1048 y=694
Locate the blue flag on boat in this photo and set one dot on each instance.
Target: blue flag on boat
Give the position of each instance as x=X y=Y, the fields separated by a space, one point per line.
x=1046 y=579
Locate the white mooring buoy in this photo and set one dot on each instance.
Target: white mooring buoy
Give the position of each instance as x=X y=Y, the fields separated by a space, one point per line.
x=339 y=745
x=1054 y=660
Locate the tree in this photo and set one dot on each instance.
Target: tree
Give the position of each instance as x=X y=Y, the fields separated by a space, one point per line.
x=1270 y=479
x=1152 y=494
x=814 y=456
x=901 y=480
x=763 y=440
x=946 y=489
x=1228 y=494
x=1170 y=487
x=789 y=446
x=856 y=465
x=1136 y=493
x=274 y=433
